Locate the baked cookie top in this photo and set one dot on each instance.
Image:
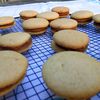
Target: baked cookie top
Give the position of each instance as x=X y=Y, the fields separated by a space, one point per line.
x=71 y=39
x=82 y=14
x=35 y=23
x=28 y=13
x=62 y=23
x=48 y=15
x=72 y=75
x=13 y=67
x=60 y=9
x=14 y=39
x=6 y=20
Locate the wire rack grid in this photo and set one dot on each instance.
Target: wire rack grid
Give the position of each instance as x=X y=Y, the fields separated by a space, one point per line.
x=33 y=87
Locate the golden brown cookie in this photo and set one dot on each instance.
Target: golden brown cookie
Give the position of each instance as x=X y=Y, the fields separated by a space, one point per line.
x=6 y=22
x=13 y=67
x=27 y=14
x=62 y=11
x=72 y=75
x=82 y=16
x=35 y=26
x=71 y=40
x=63 y=23
x=19 y=41
x=48 y=15
x=96 y=19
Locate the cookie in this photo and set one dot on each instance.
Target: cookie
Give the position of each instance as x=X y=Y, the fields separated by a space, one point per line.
x=48 y=15
x=62 y=11
x=71 y=40
x=82 y=16
x=19 y=41
x=72 y=75
x=6 y=22
x=63 y=23
x=13 y=67
x=27 y=14
x=96 y=19
x=35 y=26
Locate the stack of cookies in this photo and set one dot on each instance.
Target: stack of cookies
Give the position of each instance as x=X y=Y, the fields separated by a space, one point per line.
x=13 y=65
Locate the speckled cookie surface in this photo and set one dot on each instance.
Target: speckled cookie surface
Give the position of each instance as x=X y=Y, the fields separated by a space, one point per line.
x=82 y=14
x=12 y=68
x=35 y=26
x=62 y=11
x=72 y=75
x=6 y=20
x=14 y=39
x=19 y=41
x=28 y=14
x=35 y=23
x=63 y=23
x=71 y=39
x=48 y=15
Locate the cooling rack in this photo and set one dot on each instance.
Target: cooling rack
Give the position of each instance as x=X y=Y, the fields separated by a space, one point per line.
x=33 y=87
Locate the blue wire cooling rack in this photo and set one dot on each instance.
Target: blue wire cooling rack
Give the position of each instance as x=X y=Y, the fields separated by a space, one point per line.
x=33 y=87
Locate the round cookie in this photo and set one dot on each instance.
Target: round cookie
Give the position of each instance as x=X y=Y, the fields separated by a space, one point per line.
x=6 y=22
x=62 y=11
x=48 y=15
x=71 y=40
x=13 y=67
x=96 y=19
x=19 y=41
x=72 y=75
x=35 y=26
x=82 y=16
x=63 y=23
x=27 y=14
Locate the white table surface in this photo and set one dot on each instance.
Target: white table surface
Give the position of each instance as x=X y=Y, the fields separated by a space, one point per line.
x=41 y=7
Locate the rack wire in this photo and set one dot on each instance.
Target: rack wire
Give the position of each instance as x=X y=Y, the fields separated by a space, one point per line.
x=33 y=87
